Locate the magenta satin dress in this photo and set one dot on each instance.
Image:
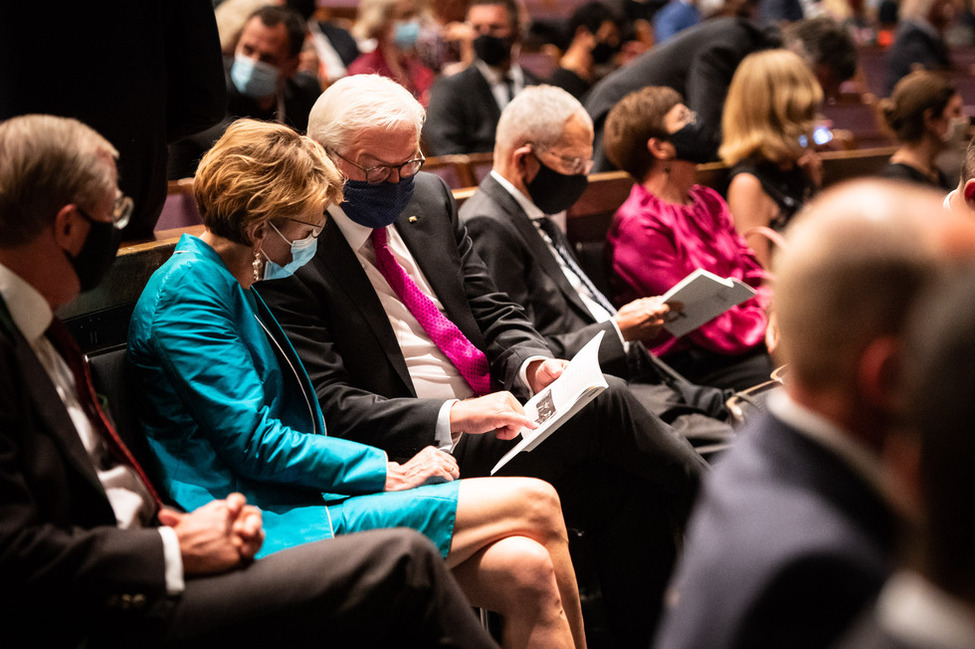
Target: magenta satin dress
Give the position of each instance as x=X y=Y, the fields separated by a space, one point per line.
x=653 y=244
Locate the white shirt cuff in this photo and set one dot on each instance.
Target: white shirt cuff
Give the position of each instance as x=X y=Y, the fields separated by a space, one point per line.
x=174 y=561
x=523 y=372
x=442 y=433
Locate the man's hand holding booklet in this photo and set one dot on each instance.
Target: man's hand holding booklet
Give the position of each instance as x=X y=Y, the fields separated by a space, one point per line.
x=579 y=384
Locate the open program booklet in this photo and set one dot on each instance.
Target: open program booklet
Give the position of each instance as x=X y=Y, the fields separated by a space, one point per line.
x=579 y=384
x=705 y=296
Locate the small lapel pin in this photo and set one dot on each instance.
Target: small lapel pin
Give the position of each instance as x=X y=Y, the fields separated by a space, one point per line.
x=412 y=219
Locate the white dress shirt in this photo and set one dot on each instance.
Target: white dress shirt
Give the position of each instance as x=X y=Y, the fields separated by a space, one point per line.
x=130 y=500
x=914 y=610
x=495 y=78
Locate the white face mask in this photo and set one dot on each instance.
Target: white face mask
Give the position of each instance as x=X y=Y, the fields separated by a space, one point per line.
x=957 y=132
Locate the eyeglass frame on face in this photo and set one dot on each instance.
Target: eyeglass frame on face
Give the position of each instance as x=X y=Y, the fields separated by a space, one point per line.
x=418 y=162
x=122 y=210
x=576 y=166
x=316 y=230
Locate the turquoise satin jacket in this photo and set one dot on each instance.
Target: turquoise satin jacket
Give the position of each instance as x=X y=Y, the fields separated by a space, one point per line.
x=197 y=336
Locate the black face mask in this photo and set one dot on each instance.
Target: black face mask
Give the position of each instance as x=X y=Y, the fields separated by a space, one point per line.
x=692 y=145
x=491 y=49
x=603 y=52
x=553 y=192
x=97 y=253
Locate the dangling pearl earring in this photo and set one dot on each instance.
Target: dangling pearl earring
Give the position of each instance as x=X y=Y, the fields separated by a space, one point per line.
x=257 y=265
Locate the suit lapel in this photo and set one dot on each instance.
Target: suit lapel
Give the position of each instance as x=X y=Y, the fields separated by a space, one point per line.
x=533 y=239
x=487 y=100
x=47 y=403
x=347 y=275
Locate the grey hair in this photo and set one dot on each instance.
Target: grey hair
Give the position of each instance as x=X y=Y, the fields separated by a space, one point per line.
x=537 y=114
x=49 y=162
x=362 y=101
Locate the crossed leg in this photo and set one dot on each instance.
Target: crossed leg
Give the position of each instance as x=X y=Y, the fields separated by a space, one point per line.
x=510 y=554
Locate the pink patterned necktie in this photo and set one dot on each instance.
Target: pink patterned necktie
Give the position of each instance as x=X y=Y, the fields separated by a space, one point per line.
x=468 y=359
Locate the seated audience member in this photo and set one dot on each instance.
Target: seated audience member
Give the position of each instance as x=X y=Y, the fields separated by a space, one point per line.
x=83 y=532
x=143 y=74
x=328 y=48
x=543 y=151
x=464 y=108
x=700 y=61
x=961 y=199
x=226 y=403
x=593 y=38
x=767 y=126
x=262 y=82
x=675 y=16
x=409 y=343
x=930 y=600
x=795 y=530
x=919 y=40
x=394 y=27
x=668 y=228
x=925 y=115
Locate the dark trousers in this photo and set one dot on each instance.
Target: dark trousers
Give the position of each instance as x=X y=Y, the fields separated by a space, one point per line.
x=627 y=481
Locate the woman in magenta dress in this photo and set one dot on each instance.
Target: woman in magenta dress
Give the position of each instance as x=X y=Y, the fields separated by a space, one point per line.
x=669 y=227
x=395 y=26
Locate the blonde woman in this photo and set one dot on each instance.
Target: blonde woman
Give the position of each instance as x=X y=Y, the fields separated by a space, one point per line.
x=767 y=129
x=227 y=405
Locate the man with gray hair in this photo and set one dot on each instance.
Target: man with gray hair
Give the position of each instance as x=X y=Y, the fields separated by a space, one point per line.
x=89 y=554
x=541 y=158
x=795 y=529
x=409 y=344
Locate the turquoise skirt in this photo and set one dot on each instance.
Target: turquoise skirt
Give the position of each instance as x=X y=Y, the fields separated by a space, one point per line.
x=430 y=510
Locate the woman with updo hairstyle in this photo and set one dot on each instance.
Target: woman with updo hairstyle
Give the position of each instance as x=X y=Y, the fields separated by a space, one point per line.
x=767 y=140
x=227 y=405
x=925 y=115
x=669 y=227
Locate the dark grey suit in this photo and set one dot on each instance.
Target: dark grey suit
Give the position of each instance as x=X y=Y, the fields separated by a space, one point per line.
x=613 y=451
x=698 y=63
x=523 y=266
x=463 y=114
x=786 y=545
x=69 y=573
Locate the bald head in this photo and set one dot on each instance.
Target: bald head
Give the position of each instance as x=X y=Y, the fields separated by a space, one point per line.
x=858 y=258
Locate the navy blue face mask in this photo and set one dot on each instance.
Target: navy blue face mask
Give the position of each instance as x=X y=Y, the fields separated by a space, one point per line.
x=376 y=206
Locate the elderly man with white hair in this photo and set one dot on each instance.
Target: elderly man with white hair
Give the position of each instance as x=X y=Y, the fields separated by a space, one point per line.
x=409 y=343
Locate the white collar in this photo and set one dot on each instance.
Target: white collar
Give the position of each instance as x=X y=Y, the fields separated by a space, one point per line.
x=532 y=210
x=915 y=610
x=353 y=232
x=29 y=309
x=495 y=75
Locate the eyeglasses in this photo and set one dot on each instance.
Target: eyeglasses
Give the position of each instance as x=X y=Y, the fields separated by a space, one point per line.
x=316 y=228
x=121 y=212
x=575 y=166
x=379 y=173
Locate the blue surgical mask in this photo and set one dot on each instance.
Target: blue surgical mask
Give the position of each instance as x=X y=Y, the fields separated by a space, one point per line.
x=302 y=250
x=405 y=34
x=254 y=79
x=376 y=206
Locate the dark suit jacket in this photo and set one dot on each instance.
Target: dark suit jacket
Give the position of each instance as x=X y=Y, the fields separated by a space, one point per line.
x=912 y=45
x=522 y=266
x=463 y=114
x=140 y=73
x=784 y=548
x=64 y=564
x=341 y=332
x=698 y=63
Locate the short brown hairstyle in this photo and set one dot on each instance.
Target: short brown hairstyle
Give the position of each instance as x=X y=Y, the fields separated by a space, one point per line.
x=261 y=171
x=915 y=94
x=637 y=117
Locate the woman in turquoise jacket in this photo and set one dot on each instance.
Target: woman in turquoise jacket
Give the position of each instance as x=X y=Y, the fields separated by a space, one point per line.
x=227 y=405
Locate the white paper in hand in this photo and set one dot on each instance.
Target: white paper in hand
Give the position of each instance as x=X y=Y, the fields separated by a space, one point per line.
x=705 y=296
x=579 y=384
